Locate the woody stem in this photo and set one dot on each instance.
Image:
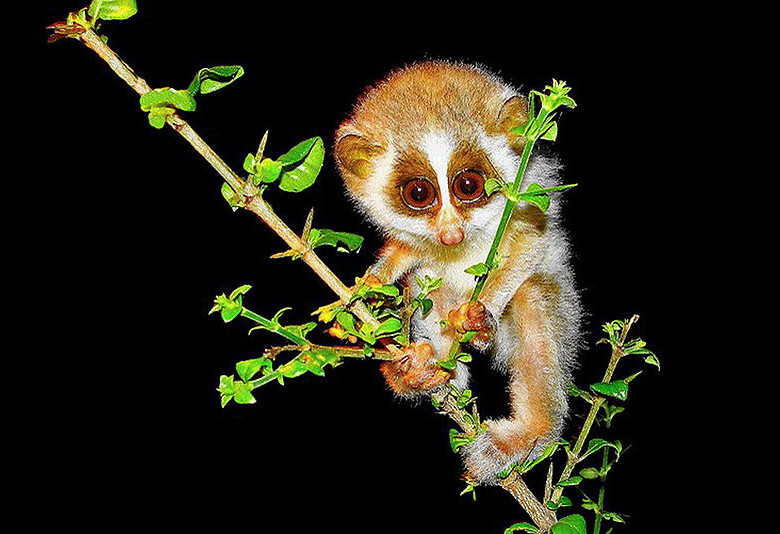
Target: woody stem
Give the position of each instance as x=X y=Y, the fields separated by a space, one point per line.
x=256 y=204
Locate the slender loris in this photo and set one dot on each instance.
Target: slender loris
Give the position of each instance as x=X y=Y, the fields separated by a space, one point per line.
x=415 y=155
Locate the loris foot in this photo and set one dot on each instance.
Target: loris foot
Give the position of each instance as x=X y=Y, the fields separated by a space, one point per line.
x=498 y=447
x=415 y=371
x=474 y=317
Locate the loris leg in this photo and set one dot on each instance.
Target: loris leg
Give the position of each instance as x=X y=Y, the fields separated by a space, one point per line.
x=415 y=371
x=537 y=382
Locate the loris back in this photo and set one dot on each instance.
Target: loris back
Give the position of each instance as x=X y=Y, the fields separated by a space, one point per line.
x=415 y=155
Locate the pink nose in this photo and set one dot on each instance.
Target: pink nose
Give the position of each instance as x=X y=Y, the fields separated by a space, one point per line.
x=451 y=236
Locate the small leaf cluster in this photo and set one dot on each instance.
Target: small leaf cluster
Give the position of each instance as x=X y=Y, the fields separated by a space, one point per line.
x=534 y=194
x=427 y=285
x=294 y=171
x=90 y=17
x=571 y=524
x=542 y=124
x=230 y=306
x=165 y=101
x=382 y=300
x=309 y=360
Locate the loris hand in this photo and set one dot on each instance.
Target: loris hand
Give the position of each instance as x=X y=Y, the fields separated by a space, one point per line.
x=474 y=317
x=415 y=371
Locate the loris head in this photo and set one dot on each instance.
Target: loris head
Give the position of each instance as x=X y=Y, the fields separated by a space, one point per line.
x=420 y=145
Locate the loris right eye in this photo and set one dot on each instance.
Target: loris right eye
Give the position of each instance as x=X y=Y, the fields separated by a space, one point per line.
x=418 y=193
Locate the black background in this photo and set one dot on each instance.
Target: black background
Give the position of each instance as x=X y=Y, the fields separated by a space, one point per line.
x=119 y=240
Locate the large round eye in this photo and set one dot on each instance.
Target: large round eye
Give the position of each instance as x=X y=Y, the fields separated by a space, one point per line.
x=468 y=186
x=418 y=193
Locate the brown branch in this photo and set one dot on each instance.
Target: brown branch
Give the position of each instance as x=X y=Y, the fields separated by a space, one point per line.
x=514 y=483
x=255 y=204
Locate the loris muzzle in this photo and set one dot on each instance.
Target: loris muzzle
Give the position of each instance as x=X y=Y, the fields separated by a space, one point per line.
x=415 y=155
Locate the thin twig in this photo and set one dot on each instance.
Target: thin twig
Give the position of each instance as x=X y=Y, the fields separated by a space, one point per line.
x=617 y=353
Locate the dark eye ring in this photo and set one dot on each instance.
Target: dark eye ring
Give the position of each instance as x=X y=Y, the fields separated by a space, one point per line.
x=418 y=193
x=468 y=185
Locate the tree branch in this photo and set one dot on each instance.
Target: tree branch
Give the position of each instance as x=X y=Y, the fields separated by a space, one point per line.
x=514 y=483
x=255 y=204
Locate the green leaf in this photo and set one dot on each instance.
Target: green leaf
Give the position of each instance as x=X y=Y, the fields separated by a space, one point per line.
x=448 y=364
x=548 y=451
x=492 y=185
x=478 y=269
x=241 y=290
x=211 y=79
x=590 y=473
x=542 y=201
x=340 y=240
x=652 y=359
x=597 y=444
x=388 y=326
x=617 y=389
x=612 y=516
x=249 y=368
x=229 y=195
x=301 y=165
x=572 y=524
x=225 y=385
x=463 y=357
x=610 y=412
x=468 y=336
x=249 y=164
x=301 y=330
x=112 y=9
x=524 y=527
x=268 y=171
x=243 y=393
x=574 y=391
x=572 y=481
x=458 y=440
x=167 y=98
x=551 y=133
x=425 y=306
x=158 y=116
x=347 y=321
x=229 y=309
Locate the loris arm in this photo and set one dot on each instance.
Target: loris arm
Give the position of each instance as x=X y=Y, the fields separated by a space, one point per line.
x=395 y=260
x=521 y=255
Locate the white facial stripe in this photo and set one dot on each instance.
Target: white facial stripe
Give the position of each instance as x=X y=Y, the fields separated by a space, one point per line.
x=438 y=146
x=500 y=154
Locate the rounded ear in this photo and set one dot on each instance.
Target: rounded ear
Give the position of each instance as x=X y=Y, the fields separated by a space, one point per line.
x=355 y=155
x=513 y=113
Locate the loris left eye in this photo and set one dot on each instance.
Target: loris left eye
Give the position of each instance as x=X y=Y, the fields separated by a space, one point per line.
x=468 y=186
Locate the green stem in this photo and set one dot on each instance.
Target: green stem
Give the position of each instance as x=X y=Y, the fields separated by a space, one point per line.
x=600 y=511
x=273 y=327
x=509 y=207
x=574 y=457
x=343 y=352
